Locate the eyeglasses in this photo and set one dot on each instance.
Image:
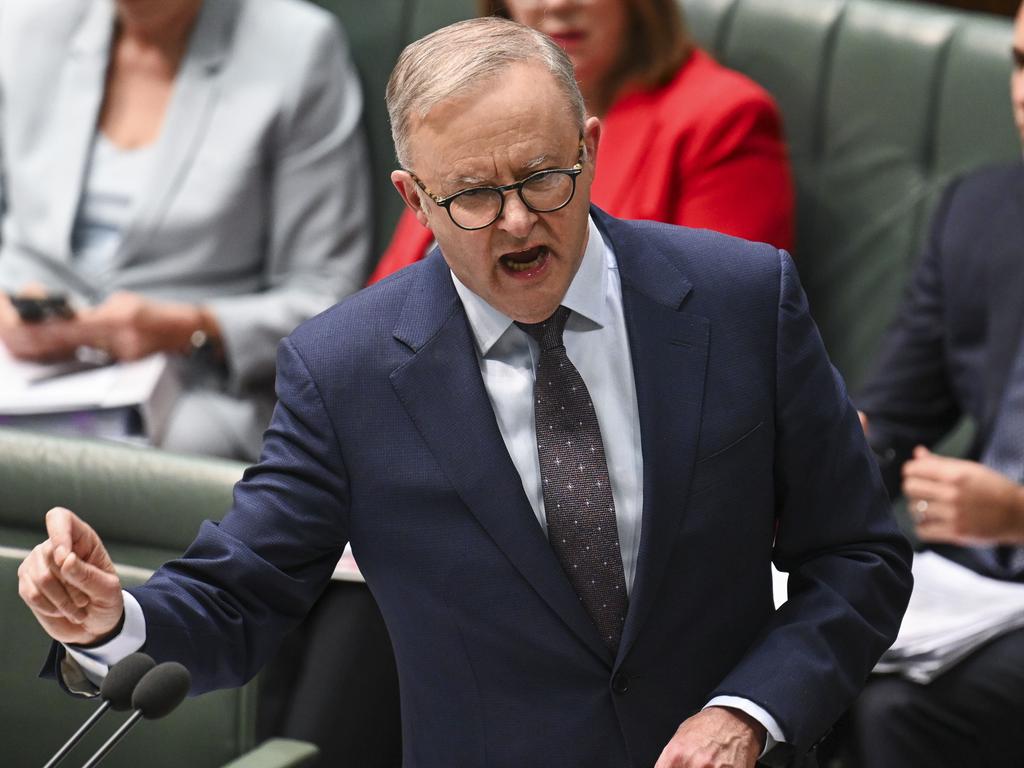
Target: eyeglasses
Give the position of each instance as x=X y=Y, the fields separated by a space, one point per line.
x=541 y=192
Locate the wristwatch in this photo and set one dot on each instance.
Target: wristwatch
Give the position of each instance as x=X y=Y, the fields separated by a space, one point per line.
x=200 y=344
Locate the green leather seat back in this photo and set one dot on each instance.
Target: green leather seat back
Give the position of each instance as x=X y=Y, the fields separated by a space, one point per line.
x=884 y=103
x=377 y=33
x=434 y=14
x=797 y=78
x=709 y=21
x=137 y=500
x=974 y=120
x=147 y=505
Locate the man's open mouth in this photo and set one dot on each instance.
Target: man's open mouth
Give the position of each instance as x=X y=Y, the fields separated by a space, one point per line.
x=524 y=261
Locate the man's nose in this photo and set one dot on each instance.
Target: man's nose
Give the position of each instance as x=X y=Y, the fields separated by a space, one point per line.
x=516 y=219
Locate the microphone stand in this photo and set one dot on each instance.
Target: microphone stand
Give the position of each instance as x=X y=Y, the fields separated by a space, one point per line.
x=77 y=735
x=110 y=743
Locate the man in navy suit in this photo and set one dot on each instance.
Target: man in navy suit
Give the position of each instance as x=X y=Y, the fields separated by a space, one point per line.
x=416 y=420
x=956 y=350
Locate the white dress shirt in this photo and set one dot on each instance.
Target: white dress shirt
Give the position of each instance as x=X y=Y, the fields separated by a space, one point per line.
x=596 y=342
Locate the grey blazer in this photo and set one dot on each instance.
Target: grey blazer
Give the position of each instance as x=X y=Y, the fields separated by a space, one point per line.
x=258 y=206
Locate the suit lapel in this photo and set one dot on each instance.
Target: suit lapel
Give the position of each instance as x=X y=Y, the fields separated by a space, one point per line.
x=1006 y=304
x=195 y=93
x=78 y=100
x=669 y=350
x=442 y=390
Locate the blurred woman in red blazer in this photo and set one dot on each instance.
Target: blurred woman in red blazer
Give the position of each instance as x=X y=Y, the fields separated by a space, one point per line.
x=684 y=140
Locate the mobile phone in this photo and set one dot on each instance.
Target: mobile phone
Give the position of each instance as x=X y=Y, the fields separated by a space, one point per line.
x=36 y=309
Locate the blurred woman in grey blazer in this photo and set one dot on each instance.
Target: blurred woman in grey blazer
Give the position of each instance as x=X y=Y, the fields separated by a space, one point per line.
x=193 y=174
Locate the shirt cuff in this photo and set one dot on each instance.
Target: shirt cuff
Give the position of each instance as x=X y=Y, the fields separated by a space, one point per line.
x=774 y=732
x=94 y=662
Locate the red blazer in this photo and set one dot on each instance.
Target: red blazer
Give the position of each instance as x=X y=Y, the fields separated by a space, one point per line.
x=705 y=150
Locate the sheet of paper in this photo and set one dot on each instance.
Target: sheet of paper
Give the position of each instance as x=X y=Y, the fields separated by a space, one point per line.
x=952 y=612
x=30 y=388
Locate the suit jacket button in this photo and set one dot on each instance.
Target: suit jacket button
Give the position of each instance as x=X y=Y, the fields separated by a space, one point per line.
x=620 y=683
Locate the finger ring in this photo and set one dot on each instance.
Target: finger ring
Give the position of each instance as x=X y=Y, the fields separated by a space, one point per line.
x=921 y=508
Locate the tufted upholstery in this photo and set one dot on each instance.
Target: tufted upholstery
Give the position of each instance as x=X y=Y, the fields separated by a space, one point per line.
x=884 y=102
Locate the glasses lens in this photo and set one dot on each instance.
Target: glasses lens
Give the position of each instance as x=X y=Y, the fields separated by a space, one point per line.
x=548 y=190
x=475 y=208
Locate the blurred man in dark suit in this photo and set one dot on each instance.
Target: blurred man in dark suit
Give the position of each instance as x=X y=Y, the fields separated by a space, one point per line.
x=957 y=349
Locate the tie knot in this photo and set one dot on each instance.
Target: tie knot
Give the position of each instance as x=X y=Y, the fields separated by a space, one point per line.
x=548 y=333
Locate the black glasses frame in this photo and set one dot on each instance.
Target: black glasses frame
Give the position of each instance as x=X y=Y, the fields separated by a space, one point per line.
x=446 y=202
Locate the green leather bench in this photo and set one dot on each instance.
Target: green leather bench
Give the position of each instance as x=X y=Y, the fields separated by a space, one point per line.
x=884 y=102
x=147 y=506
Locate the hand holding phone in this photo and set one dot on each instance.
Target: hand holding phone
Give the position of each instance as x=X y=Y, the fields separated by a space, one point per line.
x=36 y=309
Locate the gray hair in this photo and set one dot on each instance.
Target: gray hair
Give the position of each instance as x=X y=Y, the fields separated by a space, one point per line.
x=462 y=56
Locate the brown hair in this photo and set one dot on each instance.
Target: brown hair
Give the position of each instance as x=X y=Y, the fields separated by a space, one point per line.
x=658 y=41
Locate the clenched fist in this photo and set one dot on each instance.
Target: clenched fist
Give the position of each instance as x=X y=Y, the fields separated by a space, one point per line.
x=69 y=582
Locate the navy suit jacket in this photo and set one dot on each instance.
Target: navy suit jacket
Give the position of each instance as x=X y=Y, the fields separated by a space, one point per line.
x=384 y=436
x=951 y=350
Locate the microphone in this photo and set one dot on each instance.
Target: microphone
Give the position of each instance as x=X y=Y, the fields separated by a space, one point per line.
x=158 y=693
x=116 y=692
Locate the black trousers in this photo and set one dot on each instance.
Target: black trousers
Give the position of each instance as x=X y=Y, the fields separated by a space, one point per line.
x=969 y=717
x=334 y=683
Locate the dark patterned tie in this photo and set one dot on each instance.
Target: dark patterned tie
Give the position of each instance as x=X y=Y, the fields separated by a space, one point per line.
x=1005 y=454
x=577 y=493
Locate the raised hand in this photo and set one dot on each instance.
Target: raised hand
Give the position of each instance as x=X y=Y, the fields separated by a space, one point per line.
x=69 y=582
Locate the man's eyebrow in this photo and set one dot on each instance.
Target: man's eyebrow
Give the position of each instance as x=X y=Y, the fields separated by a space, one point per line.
x=537 y=162
x=465 y=181
x=1017 y=55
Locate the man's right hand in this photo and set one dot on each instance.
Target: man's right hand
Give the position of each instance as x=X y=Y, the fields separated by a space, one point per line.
x=69 y=582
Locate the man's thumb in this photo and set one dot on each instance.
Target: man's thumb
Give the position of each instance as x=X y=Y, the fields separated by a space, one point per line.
x=93 y=581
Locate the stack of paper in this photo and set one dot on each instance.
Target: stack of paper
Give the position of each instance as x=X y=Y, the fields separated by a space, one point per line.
x=952 y=612
x=55 y=398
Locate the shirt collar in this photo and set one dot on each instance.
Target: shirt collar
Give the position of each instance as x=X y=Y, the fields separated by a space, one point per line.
x=587 y=295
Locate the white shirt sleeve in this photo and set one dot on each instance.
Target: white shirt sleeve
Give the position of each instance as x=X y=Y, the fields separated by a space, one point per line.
x=95 y=662
x=774 y=735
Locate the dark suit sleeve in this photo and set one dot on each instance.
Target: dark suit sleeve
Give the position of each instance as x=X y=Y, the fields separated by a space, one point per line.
x=243 y=583
x=908 y=398
x=849 y=567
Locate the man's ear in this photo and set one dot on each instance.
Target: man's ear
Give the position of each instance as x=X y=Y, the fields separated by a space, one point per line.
x=592 y=138
x=410 y=193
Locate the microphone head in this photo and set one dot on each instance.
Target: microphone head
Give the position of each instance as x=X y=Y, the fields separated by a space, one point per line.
x=121 y=679
x=161 y=690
